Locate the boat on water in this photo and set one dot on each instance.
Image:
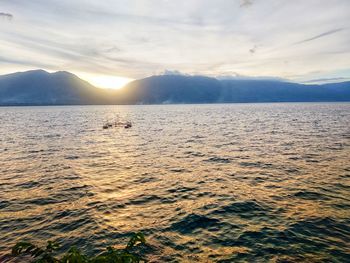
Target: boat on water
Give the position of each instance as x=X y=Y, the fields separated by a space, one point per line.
x=128 y=125
x=125 y=124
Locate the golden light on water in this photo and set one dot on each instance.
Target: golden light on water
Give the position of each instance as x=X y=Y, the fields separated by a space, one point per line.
x=207 y=182
x=105 y=81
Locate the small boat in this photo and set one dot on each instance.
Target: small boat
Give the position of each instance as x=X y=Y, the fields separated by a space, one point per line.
x=126 y=125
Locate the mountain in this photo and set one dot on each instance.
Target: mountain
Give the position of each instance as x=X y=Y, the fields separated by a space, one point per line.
x=171 y=89
x=197 y=89
x=279 y=91
x=38 y=87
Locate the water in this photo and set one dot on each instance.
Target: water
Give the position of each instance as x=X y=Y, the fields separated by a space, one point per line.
x=240 y=182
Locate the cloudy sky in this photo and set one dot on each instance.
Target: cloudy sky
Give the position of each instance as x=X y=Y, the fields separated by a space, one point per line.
x=299 y=40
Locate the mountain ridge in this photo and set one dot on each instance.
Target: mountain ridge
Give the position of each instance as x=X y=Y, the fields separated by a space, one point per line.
x=38 y=87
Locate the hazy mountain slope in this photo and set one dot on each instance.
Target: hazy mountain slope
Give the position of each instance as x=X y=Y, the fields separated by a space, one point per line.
x=40 y=87
x=171 y=89
x=195 y=89
x=277 y=91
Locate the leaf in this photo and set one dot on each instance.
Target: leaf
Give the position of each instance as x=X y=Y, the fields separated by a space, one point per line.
x=17 y=249
x=40 y=255
x=52 y=245
x=74 y=256
x=137 y=238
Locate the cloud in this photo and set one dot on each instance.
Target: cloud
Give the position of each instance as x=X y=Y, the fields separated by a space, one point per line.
x=23 y=62
x=6 y=15
x=325 y=80
x=241 y=77
x=246 y=3
x=330 y=32
x=173 y=72
x=201 y=37
x=253 y=49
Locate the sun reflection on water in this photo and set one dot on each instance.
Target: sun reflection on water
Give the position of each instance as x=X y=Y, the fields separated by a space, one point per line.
x=204 y=182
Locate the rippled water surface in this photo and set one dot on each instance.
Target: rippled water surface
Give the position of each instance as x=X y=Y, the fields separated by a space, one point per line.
x=205 y=183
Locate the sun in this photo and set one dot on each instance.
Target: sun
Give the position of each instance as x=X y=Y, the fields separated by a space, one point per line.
x=105 y=81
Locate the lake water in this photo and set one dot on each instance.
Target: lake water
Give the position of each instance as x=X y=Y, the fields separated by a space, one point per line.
x=239 y=182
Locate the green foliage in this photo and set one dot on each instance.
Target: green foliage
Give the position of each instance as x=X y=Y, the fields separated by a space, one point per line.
x=74 y=255
x=42 y=255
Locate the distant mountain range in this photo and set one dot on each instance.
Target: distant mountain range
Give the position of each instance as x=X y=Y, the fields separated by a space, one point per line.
x=38 y=87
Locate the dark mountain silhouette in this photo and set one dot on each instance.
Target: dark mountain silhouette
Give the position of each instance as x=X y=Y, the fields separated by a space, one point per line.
x=39 y=87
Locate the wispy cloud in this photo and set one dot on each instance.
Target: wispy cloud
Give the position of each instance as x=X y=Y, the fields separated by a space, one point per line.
x=23 y=62
x=143 y=37
x=246 y=3
x=324 y=80
x=253 y=49
x=6 y=15
x=330 y=32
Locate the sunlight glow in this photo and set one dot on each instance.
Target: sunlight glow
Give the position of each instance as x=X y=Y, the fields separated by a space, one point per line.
x=104 y=81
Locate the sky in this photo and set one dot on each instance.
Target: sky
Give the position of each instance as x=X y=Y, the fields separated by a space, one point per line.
x=111 y=42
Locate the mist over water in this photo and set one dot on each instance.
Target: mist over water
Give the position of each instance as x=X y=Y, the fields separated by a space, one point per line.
x=239 y=182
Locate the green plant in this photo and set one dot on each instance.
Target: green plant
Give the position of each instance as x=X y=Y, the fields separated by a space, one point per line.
x=74 y=255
